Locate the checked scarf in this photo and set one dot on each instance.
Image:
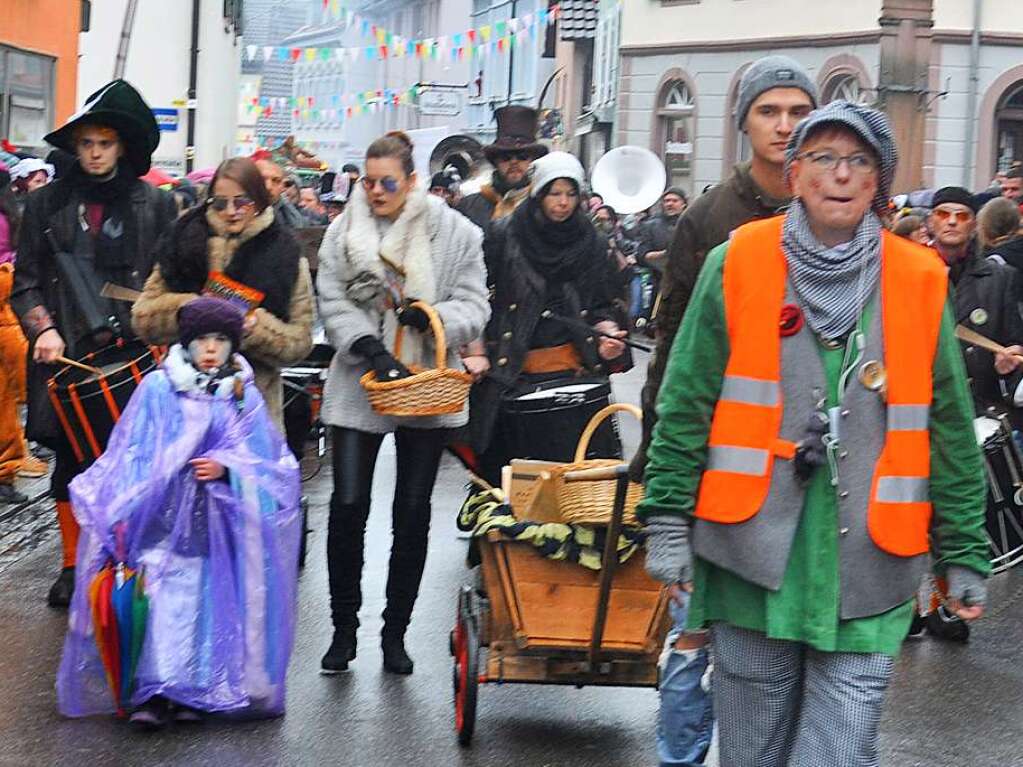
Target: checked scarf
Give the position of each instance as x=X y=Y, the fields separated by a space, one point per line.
x=832 y=284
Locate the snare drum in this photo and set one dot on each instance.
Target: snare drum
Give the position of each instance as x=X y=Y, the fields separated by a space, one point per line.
x=89 y=404
x=1003 y=465
x=544 y=421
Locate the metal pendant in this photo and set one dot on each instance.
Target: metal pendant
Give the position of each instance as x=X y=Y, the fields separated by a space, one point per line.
x=873 y=376
x=978 y=316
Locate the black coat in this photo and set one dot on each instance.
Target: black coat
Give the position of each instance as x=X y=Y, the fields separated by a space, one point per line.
x=986 y=300
x=39 y=296
x=477 y=208
x=517 y=292
x=656 y=234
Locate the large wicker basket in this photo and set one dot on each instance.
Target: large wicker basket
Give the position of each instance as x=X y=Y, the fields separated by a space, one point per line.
x=428 y=391
x=590 y=503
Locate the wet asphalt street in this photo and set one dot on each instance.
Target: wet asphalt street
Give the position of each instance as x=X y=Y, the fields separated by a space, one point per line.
x=949 y=705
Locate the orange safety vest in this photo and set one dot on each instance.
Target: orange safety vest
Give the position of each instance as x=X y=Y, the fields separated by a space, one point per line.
x=744 y=435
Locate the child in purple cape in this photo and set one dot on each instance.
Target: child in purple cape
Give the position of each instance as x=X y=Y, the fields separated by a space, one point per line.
x=198 y=490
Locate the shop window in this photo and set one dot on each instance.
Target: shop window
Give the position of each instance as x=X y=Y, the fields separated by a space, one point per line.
x=26 y=97
x=676 y=113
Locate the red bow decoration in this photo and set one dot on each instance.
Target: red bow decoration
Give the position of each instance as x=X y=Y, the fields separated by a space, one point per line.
x=791 y=320
x=7 y=146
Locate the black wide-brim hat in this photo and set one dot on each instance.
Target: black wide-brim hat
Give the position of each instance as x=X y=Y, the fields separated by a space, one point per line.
x=119 y=106
x=516 y=132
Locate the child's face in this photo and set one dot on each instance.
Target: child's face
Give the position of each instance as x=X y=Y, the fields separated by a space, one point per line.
x=210 y=351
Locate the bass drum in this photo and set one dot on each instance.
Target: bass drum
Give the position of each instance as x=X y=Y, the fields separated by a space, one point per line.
x=1003 y=465
x=544 y=421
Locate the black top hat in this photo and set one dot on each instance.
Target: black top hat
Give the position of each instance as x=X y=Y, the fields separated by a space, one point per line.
x=516 y=131
x=119 y=106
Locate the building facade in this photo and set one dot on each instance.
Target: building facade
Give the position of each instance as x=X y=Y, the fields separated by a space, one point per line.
x=38 y=67
x=956 y=106
x=157 y=64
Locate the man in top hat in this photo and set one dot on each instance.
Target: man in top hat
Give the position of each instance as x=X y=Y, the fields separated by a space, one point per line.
x=97 y=224
x=514 y=148
x=814 y=437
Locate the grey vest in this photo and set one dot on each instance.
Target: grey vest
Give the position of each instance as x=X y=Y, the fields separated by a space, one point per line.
x=871 y=581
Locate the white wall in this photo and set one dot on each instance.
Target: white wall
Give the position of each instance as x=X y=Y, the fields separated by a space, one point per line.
x=647 y=22
x=158 y=65
x=995 y=15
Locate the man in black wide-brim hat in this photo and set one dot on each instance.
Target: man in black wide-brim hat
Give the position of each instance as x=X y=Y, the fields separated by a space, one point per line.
x=514 y=148
x=97 y=224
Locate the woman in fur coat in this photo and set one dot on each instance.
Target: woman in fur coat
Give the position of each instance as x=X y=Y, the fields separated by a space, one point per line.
x=393 y=244
x=237 y=234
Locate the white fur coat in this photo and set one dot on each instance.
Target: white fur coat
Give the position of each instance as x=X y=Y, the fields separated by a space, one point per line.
x=440 y=253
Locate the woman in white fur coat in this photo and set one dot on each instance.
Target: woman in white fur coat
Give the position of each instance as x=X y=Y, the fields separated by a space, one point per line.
x=393 y=244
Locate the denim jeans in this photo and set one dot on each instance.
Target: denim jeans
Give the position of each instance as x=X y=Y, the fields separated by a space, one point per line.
x=685 y=722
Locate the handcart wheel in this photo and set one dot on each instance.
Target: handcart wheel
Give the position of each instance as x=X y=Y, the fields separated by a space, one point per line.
x=465 y=674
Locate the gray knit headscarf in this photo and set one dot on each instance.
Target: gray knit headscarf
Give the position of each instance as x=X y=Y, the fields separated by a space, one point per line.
x=833 y=284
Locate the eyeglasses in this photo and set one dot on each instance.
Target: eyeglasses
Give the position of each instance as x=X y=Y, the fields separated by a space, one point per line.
x=858 y=162
x=509 y=156
x=238 y=203
x=960 y=216
x=389 y=183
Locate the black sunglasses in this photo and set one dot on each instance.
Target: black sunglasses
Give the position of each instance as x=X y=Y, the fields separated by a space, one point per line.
x=239 y=203
x=521 y=156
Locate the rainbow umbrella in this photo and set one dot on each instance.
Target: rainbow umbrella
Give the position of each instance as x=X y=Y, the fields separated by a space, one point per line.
x=120 y=609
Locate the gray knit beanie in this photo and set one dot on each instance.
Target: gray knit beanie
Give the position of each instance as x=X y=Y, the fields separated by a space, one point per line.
x=767 y=73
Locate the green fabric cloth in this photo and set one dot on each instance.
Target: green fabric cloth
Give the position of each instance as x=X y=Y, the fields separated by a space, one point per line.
x=806 y=607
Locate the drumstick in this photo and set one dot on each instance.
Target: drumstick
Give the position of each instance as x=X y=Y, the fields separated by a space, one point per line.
x=79 y=365
x=963 y=333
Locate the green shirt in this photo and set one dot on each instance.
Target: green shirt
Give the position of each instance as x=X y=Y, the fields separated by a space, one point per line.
x=806 y=606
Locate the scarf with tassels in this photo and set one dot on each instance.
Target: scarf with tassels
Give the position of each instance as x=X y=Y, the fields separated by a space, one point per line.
x=832 y=284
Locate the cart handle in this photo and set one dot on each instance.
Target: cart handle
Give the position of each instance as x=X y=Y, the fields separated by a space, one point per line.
x=599 y=474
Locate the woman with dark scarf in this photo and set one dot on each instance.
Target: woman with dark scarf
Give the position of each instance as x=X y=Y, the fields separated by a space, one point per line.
x=238 y=234
x=546 y=267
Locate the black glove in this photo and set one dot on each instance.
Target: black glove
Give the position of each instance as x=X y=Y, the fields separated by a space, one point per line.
x=384 y=364
x=811 y=452
x=413 y=316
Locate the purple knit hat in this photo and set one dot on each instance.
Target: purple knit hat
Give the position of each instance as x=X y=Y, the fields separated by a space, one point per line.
x=207 y=314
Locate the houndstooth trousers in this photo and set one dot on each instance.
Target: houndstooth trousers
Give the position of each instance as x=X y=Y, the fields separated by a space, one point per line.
x=784 y=704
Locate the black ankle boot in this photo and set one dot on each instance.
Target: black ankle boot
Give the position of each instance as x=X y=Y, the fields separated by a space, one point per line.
x=396 y=660
x=62 y=589
x=340 y=653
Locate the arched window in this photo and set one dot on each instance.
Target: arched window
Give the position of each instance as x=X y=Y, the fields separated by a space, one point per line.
x=676 y=112
x=845 y=86
x=1009 y=119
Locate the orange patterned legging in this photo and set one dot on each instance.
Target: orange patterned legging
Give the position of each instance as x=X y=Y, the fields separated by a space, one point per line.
x=13 y=349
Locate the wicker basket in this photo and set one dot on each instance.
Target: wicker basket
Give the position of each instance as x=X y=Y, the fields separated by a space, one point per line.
x=437 y=391
x=590 y=503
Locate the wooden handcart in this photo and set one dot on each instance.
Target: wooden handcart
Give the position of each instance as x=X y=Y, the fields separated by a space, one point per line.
x=540 y=621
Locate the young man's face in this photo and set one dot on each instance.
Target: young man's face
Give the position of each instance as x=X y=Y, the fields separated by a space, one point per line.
x=98 y=149
x=1012 y=188
x=771 y=119
x=210 y=351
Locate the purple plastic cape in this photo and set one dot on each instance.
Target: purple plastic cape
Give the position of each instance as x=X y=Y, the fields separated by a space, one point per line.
x=220 y=558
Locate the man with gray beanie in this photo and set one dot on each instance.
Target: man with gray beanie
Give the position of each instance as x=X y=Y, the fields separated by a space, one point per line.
x=775 y=93
x=814 y=436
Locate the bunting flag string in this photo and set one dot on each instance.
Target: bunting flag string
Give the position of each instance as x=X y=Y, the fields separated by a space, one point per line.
x=335 y=107
x=487 y=39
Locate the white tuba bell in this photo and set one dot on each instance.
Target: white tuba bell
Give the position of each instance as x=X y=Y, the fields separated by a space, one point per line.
x=629 y=178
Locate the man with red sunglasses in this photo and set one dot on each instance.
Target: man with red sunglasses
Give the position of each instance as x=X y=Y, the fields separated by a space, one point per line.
x=985 y=296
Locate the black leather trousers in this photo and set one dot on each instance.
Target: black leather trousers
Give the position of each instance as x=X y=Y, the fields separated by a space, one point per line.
x=355 y=455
